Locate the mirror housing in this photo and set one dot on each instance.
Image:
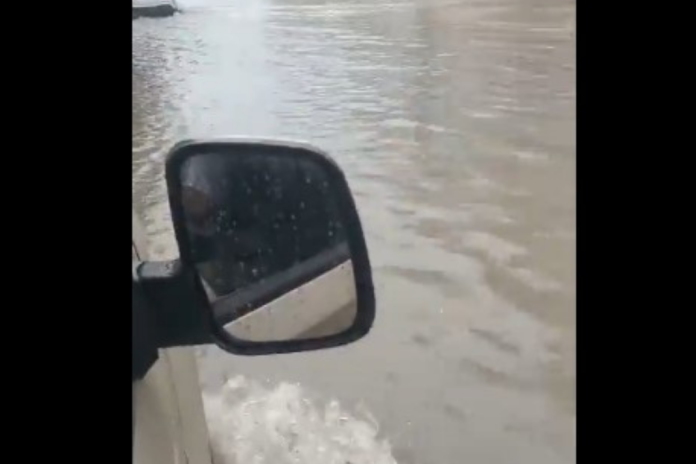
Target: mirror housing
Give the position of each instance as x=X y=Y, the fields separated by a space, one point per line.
x=286 y=309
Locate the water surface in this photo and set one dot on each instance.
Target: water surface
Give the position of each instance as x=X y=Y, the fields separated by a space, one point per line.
x=455 y=124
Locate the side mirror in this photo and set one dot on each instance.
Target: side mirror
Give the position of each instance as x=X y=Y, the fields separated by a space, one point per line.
x=273 y=235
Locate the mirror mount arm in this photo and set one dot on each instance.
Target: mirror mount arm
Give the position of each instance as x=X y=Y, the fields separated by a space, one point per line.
x=177 y=303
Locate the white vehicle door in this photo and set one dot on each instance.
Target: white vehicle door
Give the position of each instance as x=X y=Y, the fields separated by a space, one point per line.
x=169 y=420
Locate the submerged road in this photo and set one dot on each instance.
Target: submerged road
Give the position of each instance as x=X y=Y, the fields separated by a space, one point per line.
x=455 y=123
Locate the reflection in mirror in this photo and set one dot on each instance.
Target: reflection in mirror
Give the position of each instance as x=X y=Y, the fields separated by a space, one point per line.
x=267 y=238
x=324 y=306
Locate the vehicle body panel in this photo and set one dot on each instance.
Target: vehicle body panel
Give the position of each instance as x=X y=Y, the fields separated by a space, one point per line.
x=169 y=419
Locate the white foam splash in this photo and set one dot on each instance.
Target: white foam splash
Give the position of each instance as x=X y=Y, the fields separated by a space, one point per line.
x=251 y=424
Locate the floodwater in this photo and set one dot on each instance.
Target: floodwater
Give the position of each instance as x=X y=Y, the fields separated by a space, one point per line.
x=454 y=121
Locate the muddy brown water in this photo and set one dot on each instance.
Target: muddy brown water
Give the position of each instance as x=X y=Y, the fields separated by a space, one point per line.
x=455 y=124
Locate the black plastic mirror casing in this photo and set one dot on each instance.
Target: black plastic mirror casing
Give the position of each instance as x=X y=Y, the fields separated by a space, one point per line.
x=176 y=158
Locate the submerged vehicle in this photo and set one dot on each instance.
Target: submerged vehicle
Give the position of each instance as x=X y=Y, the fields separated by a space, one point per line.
x=154 y=8
x=272 y=260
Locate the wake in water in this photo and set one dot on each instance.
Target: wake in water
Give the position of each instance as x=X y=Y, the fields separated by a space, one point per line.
x=251 y=424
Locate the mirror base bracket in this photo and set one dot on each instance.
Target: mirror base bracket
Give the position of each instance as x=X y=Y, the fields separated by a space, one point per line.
x=177 y=302
x=143 y=341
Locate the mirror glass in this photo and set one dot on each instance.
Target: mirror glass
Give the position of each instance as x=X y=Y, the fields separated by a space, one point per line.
x=266 y=235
